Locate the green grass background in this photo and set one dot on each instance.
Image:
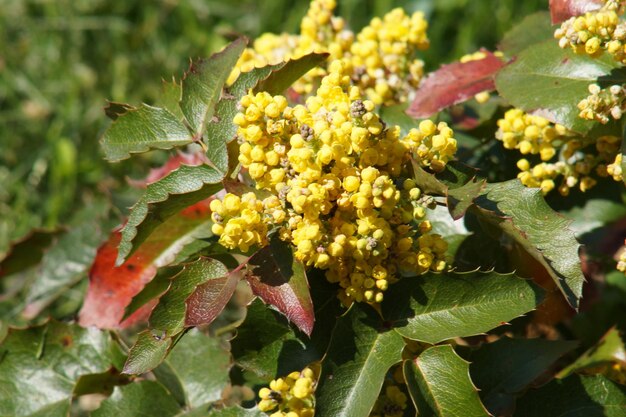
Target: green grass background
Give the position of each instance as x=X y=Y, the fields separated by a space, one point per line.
x=61 y=59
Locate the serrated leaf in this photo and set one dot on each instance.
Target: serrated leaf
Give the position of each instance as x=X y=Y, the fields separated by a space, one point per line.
x=523 y=214
x=147 y=353
x=200 y=365
x=203 y=83
x=289 y=72
x=436 y=307
x=143 y=398
x=173 y=163
x=575 y=396
x=171 y=94
x=69 y=259
x=141 y=129
x=453 y=84
x=276 y=351
x=27 y=251
x=440 y=385
x=209 y=299
x=169 y=314
x=113 y=110
x=550 y=81
x=41 y=366
x=506 y=367
x=561 y=10
x=182 y=188
x=111 y=288
x=531 y=30
x=359 y=356
x=280 y=281
x=610 y=349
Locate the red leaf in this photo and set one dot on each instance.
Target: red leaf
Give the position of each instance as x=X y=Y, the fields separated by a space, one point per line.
x=454 y=83
x=561 y=10
x=280 y=281
x=172 y=164
x=210 y=298
x=112 y=288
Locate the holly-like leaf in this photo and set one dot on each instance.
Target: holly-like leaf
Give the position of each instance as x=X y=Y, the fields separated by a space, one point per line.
x=531 y=30
x=200 y=365
x=141 y=129
x=275 y=351
x=289 y=72
x=173 y=163
x=561 y=10
x=143 y=398
x=436 y=307
x=523 y=214
x=440 y=385
x=209 y=299
x=453 y=84
x=171 y=94
x=575 y=396
x=506 y=367
x=550 y=81
x=203 y=83
x=147 y=353
x=68 y=260
x=112 y=288
x=182 y=188
x=610 y=349
x=280 y=280
x=152 y=290
x=169 y=314
x=27 y=251
x=360 y=354
x=41 y=366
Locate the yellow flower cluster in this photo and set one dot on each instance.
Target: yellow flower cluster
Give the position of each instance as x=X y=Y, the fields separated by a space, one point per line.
x=595 y=32
x=390 y=403
x=381 y=58
x=292 y=396
x=603 y=103
x=615 y=169
x=562 y=153
x=340 y=184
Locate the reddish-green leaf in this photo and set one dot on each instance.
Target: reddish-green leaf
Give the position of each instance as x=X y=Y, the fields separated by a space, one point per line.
x=280 y=281
x=112 y=288
x=209 y=299
x=561 y=10
x=454 y=83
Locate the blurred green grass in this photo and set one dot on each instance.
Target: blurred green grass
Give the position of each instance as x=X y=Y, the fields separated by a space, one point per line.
x=61 y=59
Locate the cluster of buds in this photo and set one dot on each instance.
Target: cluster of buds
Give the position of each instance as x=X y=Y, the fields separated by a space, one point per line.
x=291 y=396
x=603 y=103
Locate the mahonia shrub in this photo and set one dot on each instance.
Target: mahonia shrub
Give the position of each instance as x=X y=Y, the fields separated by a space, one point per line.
x=339 y=234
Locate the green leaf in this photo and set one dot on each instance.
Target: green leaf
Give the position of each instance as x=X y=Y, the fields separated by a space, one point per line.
x=531 y=30
x=154 y=289
x=169 y=314
x=436 y=307
x=289 y=72
x=610 y=349
x=506 y=367
x=575 y=396
x=523 y=214
x=279 y=279
x=41 y=366
x=237 y=411
x=69 y=259
x=203 y=83
x=139 y=399
x=147 y=353
x=141 y=129
x=361 y=352
x=201 y=365
x=595 y=214
x=440 y=385
x=275 y=351
x=180 y=189
x=171 y=94
x=551 y=81
x=28 y=251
